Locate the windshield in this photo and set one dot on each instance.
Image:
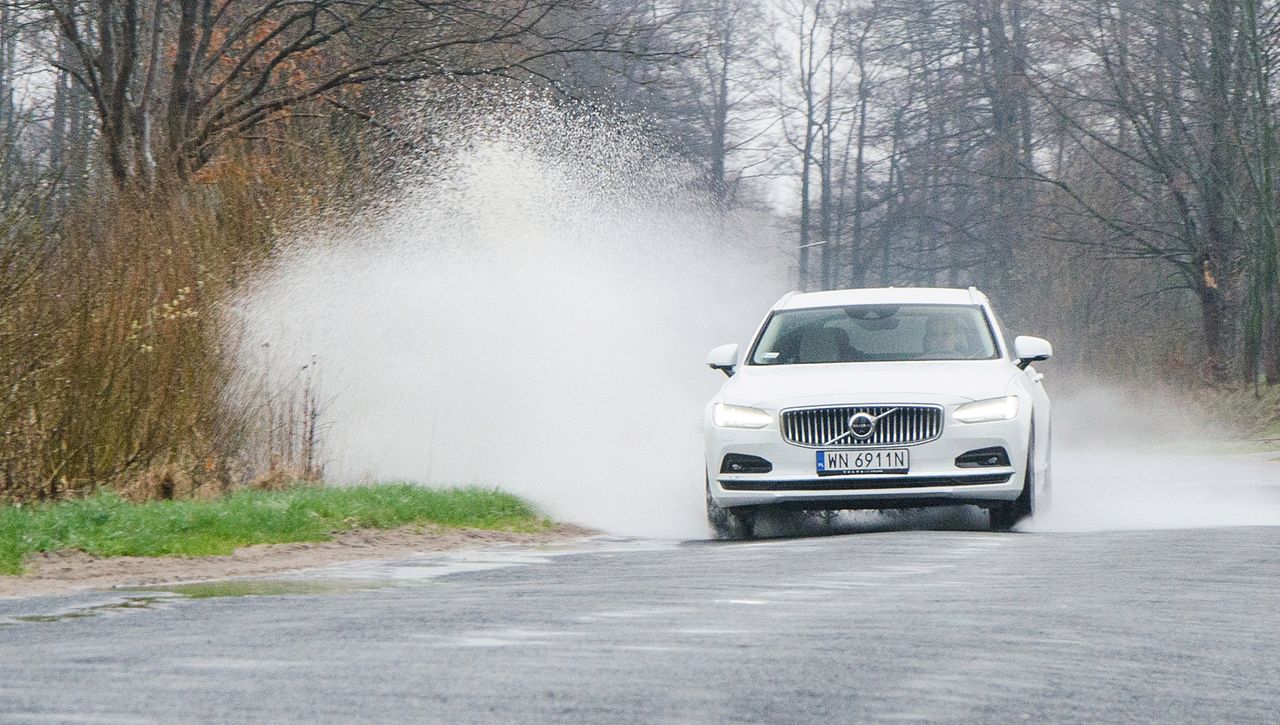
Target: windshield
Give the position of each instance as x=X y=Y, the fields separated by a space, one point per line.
x=875 y=333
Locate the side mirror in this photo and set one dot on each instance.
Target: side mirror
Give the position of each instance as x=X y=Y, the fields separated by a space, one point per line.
x=724 y=358
x=1031 y=349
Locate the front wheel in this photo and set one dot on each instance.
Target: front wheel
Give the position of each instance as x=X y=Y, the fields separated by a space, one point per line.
x=727 y=523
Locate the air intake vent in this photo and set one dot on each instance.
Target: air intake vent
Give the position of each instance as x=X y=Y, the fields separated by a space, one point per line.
x=854 y=426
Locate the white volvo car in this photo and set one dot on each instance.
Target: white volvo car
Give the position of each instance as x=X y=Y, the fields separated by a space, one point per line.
x=877 y=399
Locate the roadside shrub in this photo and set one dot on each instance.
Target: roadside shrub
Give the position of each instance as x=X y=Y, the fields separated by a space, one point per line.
x=114 y=344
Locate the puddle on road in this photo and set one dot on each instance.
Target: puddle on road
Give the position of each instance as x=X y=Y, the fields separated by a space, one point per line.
x=163 y=596
x=430 y=566
x=262 y=587
x=348 y=578
x=125 y=604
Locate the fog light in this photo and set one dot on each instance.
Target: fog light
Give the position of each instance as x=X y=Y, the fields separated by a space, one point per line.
x=742 y=463
x=983 y=457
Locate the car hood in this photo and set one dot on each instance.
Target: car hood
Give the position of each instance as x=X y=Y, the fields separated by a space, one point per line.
x=947 y=382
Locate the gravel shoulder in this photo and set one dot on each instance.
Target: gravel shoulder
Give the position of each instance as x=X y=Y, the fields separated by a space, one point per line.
x=71 y=571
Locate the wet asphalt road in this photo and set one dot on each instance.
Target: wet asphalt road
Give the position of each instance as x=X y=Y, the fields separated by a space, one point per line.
x=935 y=625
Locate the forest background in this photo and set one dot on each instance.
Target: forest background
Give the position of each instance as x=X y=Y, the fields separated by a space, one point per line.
x=1104 y=169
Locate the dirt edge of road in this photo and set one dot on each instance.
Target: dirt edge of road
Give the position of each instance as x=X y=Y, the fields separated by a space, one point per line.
x=70 y=571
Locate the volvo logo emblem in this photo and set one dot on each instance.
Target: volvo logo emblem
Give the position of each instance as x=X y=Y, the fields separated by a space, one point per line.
x=862 y=425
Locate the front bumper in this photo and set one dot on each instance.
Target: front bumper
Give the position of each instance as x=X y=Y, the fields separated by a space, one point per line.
x=933 y=478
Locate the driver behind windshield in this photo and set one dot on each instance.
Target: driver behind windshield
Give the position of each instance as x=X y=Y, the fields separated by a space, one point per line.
x=944 y=338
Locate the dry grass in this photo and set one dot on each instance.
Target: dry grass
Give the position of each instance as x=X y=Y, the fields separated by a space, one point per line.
x=113 y=347
x=1253 y=413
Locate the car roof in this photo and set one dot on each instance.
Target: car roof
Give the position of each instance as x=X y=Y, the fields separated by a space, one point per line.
x=881 y=295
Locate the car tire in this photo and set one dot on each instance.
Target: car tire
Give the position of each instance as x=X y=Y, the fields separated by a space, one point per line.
x=1006 y=515
x=727 y=523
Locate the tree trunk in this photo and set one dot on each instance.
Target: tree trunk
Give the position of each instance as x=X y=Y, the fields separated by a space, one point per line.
x=857 y=266
x=806 y=165
x=115 y=60
x=1215 y=283
x=1216 y=321
x=824 y=194
x=806 y=151
x=9 y=116
x=720 y=114
x=181 y=92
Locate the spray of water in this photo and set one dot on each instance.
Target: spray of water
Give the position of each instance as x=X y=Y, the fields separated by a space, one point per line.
x=1126 y=459
x=533 y=314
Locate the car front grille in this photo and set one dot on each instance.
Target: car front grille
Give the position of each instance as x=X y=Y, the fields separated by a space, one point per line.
x=894 y=425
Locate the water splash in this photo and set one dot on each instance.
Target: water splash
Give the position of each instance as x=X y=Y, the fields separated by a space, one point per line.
x=1134 y=459
x=534 y=314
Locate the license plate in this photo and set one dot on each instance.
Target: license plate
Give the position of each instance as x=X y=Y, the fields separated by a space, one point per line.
x=889 y=460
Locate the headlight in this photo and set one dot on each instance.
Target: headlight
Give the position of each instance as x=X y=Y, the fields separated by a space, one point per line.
x=985 y=411
x=738 y=416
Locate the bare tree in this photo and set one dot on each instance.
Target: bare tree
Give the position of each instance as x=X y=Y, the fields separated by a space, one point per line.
x=813 y=104
x=1163 y=89
x=724 y=78
x=1259 y=28
x=170 y=81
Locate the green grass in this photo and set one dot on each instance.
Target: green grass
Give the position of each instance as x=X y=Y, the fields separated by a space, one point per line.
x=105 y=525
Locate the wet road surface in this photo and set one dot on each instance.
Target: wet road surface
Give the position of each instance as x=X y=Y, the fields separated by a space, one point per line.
x=922 y=625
